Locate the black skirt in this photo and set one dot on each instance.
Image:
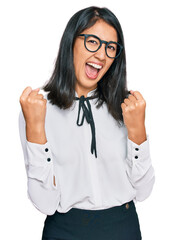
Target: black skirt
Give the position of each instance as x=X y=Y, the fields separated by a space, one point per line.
x=116 y=223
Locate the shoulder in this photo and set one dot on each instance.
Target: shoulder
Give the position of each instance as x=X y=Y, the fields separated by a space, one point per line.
x=53 y=109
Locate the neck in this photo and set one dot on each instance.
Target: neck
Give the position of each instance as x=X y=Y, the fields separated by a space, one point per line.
x=83 y=91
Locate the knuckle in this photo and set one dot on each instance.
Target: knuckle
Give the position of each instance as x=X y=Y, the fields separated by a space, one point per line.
x=143 y=102
x=21 y=99
x=130 y=97
x=137 y=104
x=132 y=107
x=28 y=88
x=29 y=99
x=126 y=109
x=42 y=102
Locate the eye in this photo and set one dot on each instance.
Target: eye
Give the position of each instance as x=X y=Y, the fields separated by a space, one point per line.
x=92 y=42
x=112 y=48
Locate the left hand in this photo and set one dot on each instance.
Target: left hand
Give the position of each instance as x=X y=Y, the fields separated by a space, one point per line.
x=133 y=110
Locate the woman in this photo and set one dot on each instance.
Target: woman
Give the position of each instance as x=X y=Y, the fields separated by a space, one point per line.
x=85 y=145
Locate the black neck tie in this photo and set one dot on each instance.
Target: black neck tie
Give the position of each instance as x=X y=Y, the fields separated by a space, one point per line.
x=87 y=113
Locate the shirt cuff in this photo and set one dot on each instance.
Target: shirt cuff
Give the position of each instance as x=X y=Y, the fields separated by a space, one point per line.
x=39 y=158
x=137 y=152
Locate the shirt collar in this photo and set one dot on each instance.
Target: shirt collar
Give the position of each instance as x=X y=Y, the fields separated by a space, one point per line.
x=89 y=94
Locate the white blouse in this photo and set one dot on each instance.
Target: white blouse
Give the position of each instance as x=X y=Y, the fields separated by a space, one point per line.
x=121 y=171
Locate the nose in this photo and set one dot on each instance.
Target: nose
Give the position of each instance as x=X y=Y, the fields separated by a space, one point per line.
x=101 y=54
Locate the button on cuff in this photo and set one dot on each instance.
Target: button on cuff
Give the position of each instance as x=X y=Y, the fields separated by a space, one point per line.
x=37 y=154
x=141 y=151
x=48 y=157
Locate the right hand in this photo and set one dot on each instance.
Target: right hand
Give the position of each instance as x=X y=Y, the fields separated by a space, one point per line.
x=34 y=110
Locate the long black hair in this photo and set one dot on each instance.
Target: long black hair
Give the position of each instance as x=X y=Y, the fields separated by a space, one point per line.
x=112 y=87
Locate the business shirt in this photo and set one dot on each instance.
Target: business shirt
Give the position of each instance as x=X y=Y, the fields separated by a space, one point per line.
x=95 y=165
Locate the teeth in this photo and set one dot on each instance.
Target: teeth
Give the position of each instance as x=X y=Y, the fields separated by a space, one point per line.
x=95 y=65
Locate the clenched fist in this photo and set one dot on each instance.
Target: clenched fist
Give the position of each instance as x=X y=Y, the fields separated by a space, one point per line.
x=34 y=109
x=133 y=110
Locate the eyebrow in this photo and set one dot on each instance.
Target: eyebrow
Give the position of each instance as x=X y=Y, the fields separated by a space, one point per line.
x=104 y=41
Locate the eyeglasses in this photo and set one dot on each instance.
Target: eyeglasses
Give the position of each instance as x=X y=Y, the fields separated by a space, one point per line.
x=93 y=44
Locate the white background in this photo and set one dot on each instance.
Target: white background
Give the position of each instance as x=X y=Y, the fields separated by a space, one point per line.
x=30 y=33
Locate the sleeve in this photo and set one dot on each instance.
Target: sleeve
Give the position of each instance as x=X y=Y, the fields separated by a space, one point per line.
x=139 y=168
x=43 y=188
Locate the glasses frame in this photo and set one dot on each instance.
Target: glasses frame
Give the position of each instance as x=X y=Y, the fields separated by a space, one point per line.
x=101 y=42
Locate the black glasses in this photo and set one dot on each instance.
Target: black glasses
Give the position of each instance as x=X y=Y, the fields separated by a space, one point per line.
x=93 y=44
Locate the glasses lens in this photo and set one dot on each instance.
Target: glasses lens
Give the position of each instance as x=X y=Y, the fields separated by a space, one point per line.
x=92 y=43
x=113 y=50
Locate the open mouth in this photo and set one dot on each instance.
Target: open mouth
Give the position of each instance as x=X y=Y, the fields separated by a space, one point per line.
x=92 y=70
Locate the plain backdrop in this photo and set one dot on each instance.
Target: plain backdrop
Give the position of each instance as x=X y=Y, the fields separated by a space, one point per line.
x=30 y=32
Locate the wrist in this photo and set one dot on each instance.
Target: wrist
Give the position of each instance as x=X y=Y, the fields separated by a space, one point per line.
x=36 y=133
x=137 y=135
x=35 y=127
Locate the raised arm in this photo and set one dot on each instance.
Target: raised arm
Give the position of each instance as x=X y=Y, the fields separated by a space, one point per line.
x=43 y=189
x=138 y=162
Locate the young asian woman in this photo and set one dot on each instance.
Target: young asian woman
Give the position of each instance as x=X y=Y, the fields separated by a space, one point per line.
x=85 y=145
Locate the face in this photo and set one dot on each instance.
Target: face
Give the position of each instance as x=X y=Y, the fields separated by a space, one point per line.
x=87 y=76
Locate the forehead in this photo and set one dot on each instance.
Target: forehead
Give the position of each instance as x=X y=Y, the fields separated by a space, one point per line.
x=103 y=30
